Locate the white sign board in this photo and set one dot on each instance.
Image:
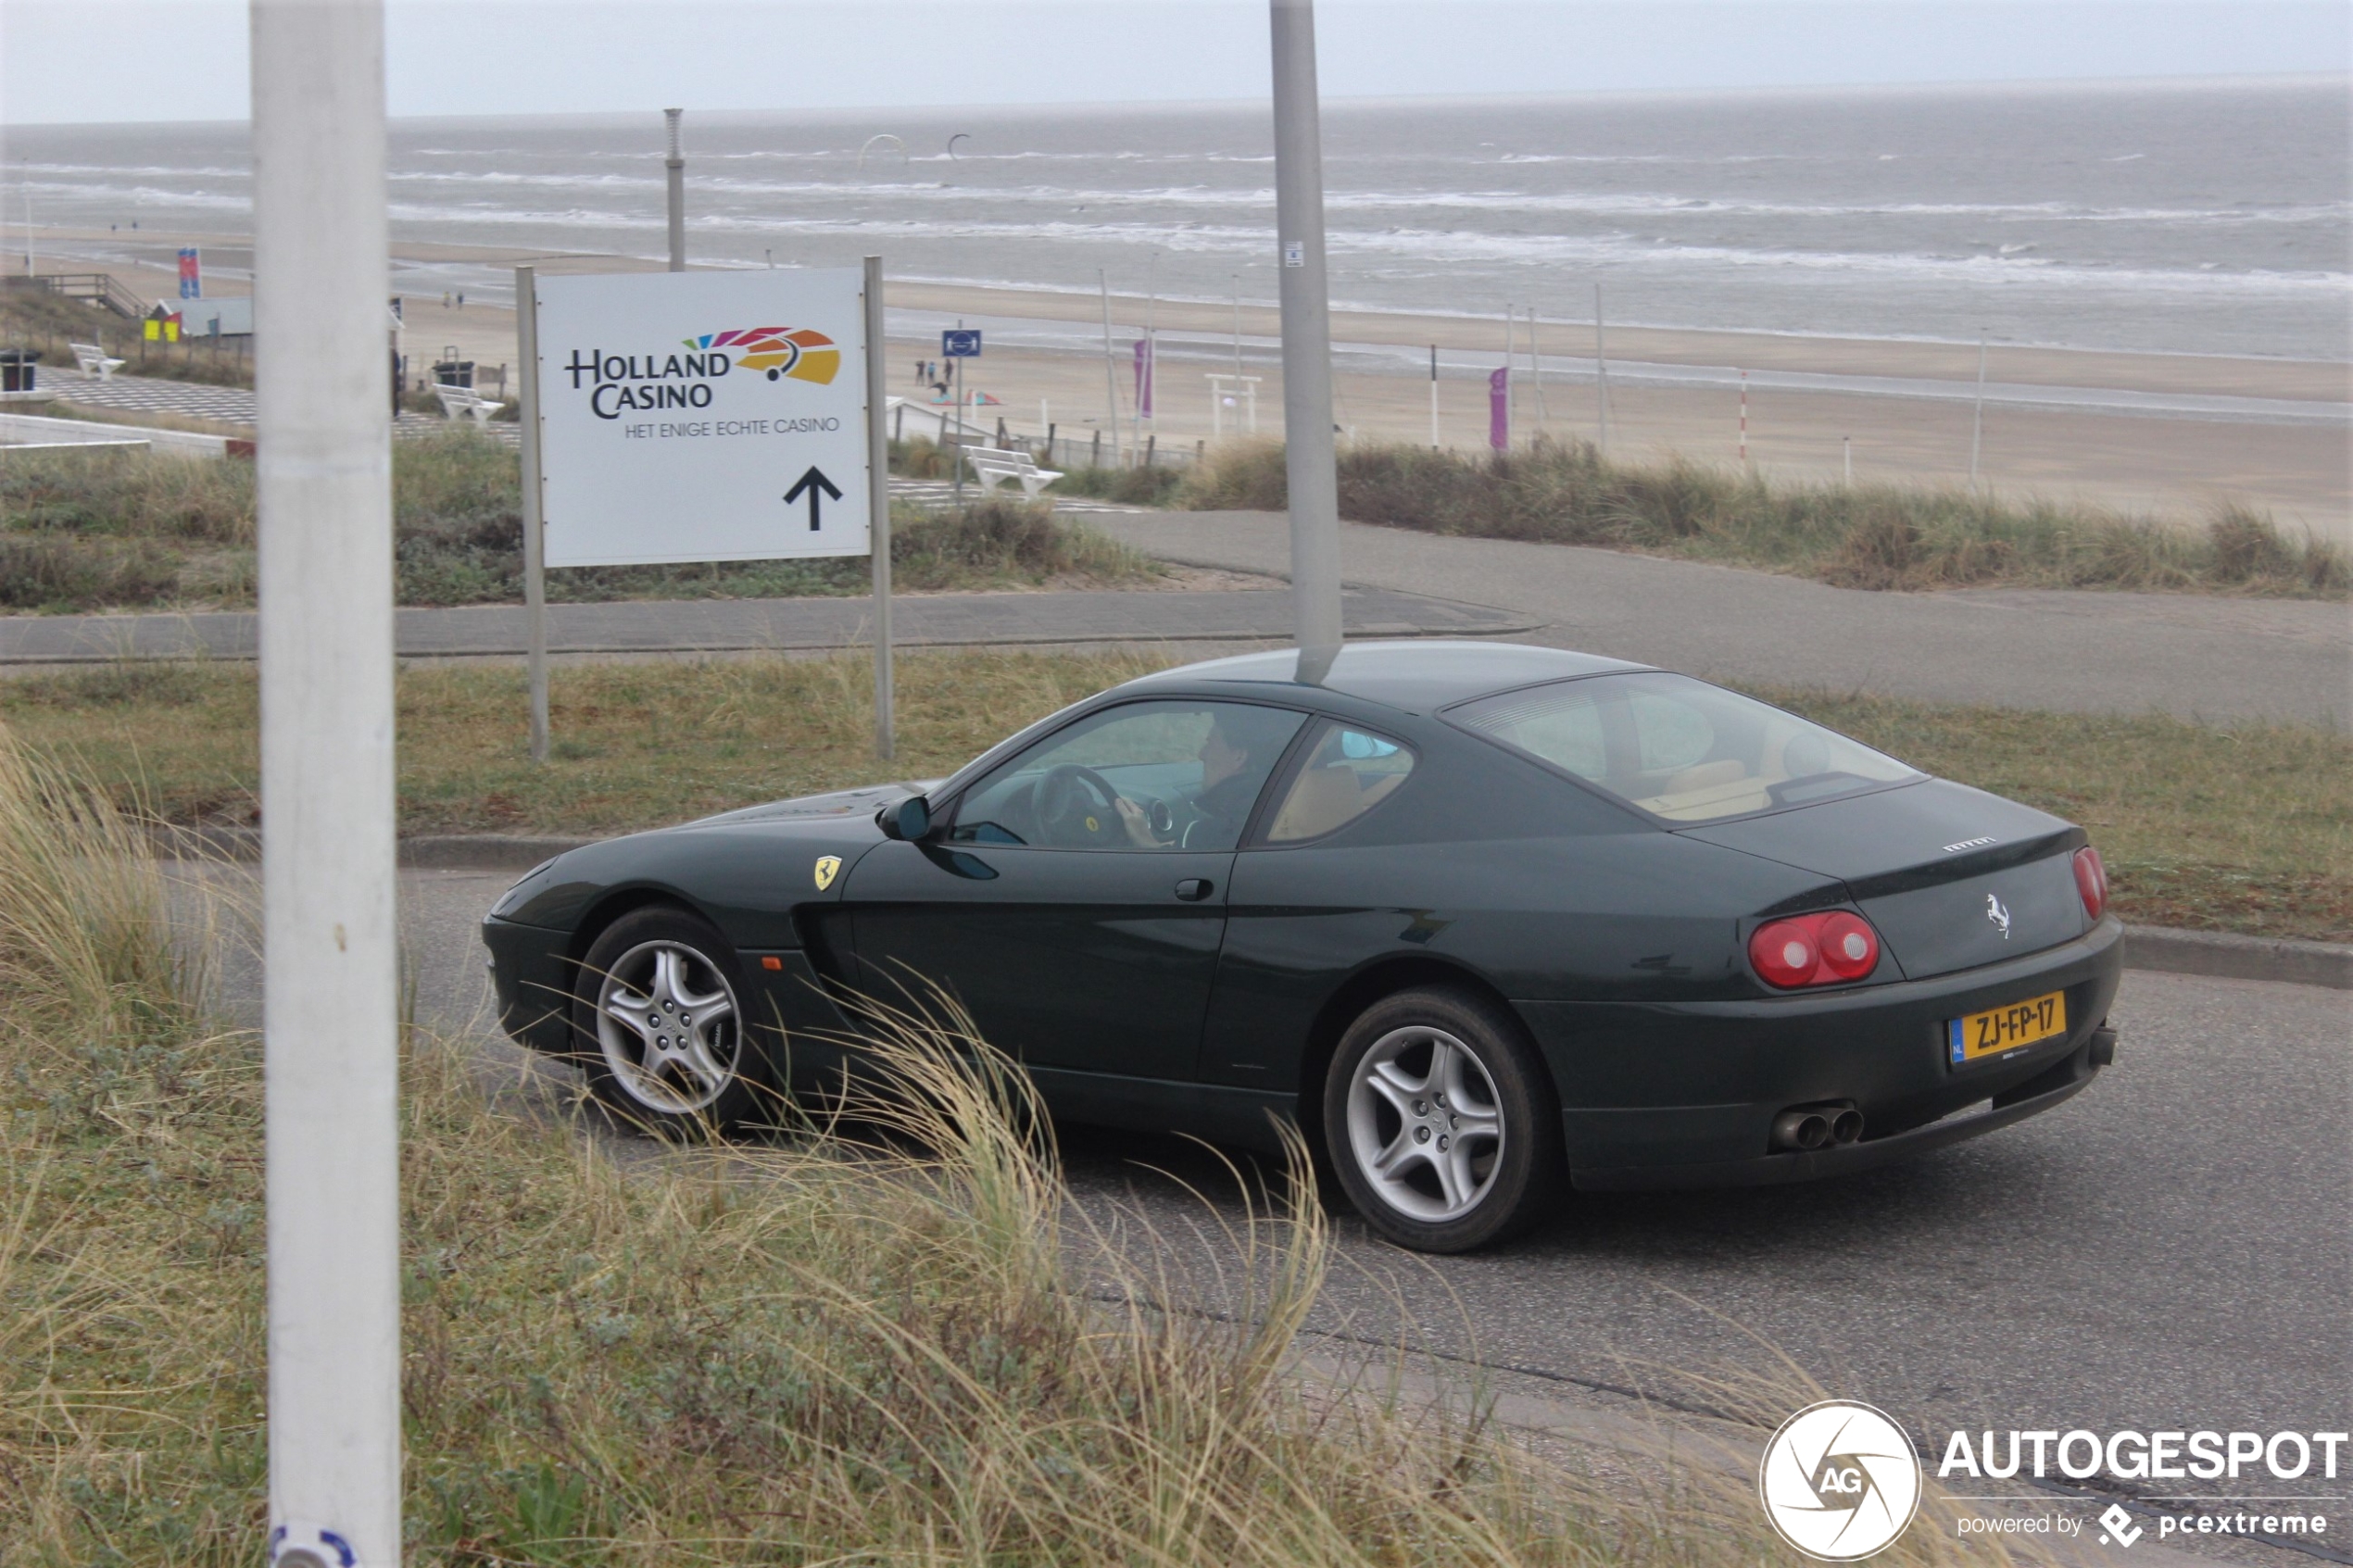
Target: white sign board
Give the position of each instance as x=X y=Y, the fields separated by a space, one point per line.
x=702 y=415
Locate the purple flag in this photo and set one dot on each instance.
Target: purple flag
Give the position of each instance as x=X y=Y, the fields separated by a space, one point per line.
x=1498 y=409
x=1144 y=377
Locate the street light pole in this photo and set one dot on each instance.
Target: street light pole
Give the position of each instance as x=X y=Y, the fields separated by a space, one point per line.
x=1312 y=462
x=674 y=166
x=331 y=1001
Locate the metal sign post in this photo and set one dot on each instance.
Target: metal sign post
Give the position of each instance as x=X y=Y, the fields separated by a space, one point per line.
x=957 y=345
x=534 y=535
x=1311 y=463
x=674 y=174
x=330 y=1005
x=878 y=508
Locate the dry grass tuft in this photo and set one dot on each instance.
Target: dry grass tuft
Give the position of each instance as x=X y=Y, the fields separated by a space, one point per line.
x=88 y=531
x=1876 y=536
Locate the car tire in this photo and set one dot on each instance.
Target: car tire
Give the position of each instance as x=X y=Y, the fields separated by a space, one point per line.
x=658 y=1026
x=1441 y=1122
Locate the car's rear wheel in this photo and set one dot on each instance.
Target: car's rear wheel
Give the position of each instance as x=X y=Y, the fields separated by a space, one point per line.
x=1440 y=1121
x=658 y=1024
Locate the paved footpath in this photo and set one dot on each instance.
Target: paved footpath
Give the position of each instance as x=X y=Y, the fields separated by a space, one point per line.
x=658 y=626
x=2204 y=657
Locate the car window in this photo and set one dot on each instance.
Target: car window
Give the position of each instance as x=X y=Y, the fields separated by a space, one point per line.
x=1141 y=776
x=1348 y=771
x=1679 y=748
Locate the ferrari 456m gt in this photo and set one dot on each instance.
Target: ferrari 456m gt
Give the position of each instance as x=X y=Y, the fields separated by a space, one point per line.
x=1486 y=921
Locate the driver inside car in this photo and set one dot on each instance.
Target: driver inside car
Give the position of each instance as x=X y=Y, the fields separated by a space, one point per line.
x=1228 y=781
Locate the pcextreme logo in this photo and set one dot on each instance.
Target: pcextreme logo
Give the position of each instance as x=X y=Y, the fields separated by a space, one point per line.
x=1840 y=1481
x=798 y=352
x=620 y=384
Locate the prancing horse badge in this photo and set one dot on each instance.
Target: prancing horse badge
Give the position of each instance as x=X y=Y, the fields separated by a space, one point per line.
x=828 y=866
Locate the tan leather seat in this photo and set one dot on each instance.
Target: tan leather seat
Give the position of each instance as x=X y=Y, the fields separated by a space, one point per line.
x=1325 y=798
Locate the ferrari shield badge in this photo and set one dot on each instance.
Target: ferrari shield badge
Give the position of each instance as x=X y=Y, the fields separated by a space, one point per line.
x=827 y=867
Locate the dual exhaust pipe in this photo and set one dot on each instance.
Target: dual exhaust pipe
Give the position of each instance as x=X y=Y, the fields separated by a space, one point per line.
x=1806 y=1128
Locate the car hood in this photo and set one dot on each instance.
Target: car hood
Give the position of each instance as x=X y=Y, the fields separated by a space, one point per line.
x=1953 y=877
x=832 y=807
x=747 y=869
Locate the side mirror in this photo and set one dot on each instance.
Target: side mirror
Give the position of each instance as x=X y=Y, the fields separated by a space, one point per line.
x=909 y=820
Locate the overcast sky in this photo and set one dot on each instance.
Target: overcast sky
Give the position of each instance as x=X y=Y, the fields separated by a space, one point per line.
x=185 y=60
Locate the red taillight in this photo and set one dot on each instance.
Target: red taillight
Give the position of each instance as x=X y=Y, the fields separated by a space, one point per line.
x=2091 y=881
x=1814 y=949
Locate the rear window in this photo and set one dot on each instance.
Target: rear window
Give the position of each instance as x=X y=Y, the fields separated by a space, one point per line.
x=1679 y=748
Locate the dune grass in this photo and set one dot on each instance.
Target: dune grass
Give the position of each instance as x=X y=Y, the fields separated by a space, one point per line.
x=1877 y=536
x=890 y=1338
x=97 y=531
x=2247 y=830
x=34 y=318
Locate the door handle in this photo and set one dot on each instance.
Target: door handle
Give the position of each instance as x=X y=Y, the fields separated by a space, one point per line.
x=1193 y=889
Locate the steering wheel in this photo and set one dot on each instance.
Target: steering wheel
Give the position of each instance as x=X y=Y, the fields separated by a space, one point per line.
x=1065 y=817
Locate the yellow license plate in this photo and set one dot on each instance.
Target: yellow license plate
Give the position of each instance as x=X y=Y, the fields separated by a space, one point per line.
x=2003 y=1030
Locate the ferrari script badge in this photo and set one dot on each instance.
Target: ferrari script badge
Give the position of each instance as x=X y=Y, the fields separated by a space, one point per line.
x=828 y=866
x=1993 y=911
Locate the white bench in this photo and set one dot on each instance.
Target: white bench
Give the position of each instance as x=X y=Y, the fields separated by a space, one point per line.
x=94 y=361
x=994 y=467
x=458 y=403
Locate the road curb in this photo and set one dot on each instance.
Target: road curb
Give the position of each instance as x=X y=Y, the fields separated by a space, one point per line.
x=2231 y=956
x=2216 y=953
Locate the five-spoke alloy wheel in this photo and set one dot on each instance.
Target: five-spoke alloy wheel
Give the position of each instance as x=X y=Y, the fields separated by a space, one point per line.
x=660 y=1022
x=1440 y=1122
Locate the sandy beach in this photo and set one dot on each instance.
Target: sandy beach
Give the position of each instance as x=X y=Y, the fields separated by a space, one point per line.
x=1661 y=397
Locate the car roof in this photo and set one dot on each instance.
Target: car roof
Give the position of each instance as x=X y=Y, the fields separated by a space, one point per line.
x=1418 y=676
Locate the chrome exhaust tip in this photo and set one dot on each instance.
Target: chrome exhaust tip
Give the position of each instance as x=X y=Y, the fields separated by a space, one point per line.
x=1846 y=1127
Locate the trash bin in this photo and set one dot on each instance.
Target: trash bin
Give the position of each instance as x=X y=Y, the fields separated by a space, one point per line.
x=17 y=369
x=454 y=372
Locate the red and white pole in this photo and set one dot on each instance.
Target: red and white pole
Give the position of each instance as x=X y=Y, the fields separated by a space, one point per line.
x=1743 y=416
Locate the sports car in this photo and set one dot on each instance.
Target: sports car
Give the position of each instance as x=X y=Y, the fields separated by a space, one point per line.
x=1487 y=923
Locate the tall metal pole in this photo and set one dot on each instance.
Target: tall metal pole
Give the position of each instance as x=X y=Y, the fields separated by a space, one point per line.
x=535 y=517
x=1433 y=398
x=1238 y=329
x=675 y=167
x=1600 y=369
x=1110 y=381
x=1511 y=391
x=1536 y=371
x=1977 y=414
x=1311 y=462
x=878 y=509
x=330 y=1007
x=1148 y=388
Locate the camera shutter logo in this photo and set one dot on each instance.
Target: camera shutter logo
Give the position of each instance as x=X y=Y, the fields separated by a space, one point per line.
x=1840 y=1481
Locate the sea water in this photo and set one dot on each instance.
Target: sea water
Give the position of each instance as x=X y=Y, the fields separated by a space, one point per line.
x=2207 y=217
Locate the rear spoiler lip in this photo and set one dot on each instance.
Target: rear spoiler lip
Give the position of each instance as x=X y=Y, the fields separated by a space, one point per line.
x=1959 y=867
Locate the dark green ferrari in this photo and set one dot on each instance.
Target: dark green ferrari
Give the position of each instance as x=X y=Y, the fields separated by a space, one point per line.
x=1486 y=921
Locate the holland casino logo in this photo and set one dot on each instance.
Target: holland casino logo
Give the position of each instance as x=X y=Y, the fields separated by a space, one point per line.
x=620 y=384
x=799 y=353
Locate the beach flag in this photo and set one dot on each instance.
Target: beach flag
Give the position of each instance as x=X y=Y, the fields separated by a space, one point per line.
x=1144 y=377
x=191 y=274
x=1498 y=409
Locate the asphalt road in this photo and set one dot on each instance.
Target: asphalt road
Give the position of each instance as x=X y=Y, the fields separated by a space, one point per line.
x=2168 y=1250
x=2206 y=657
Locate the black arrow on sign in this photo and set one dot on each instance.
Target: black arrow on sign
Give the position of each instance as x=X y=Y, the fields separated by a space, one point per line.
x=812 y=482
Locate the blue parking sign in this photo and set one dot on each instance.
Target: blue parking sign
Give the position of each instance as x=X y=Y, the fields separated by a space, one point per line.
x=959 y=342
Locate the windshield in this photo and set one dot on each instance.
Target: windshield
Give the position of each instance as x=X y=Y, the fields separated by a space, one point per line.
x=1679 y=748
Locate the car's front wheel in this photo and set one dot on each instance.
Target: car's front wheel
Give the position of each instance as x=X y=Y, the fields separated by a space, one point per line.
x=658 y=1024
x=1440 y=1121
